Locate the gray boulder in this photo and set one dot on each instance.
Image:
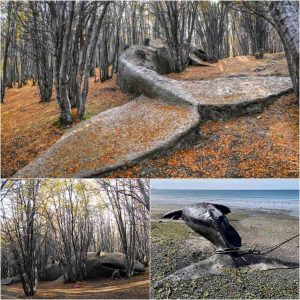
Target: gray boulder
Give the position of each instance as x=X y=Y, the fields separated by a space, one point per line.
x=153 y=56
x=52 y=272
x=201 y=54
x=10 y=280
x=96 y=266
x=196 y=61
x=105 y=265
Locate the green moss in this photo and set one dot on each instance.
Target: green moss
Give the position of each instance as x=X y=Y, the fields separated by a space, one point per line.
x=87 y=116
x=170 y=231
x=57 y=123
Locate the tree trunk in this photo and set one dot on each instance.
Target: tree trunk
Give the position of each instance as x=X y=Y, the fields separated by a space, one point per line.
x=286 y=18
x=5 y=54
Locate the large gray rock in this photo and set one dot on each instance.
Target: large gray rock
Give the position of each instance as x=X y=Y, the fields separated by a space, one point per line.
x=10 y=280
x=118 y=137
x=117 y=260
x=139 y=73
x=52 y=272
x=96 y=267
x=199 y=53
x=225 y=98
x=107 y=263
x=148 y=127
x=196 y=61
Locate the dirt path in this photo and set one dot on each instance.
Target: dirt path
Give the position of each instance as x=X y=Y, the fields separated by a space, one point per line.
x=134 y=288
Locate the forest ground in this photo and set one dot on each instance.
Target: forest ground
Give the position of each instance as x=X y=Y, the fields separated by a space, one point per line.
x=232 y=148
x=174 y=246
x=30 y=127
x=136 y=287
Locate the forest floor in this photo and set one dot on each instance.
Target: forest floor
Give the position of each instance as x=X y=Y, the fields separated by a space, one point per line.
x=261 y=145
x=30 y=127
x=136 y=287
x=174 y=246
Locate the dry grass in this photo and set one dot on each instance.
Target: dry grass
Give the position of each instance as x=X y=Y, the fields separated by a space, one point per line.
x=30 y=127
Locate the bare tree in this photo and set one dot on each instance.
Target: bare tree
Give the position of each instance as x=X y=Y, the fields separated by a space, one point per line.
x=19 y=230
x=286 y=18
x=75 y=49
x=42 y=57
x=7 y=41
x=210 y=25
x=72 y=226
x=126 y=205
x=172 y=17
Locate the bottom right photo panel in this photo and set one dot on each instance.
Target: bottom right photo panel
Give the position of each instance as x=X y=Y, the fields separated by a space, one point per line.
x=224 y=238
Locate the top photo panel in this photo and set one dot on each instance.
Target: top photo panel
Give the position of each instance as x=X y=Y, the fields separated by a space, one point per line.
x=153 y=89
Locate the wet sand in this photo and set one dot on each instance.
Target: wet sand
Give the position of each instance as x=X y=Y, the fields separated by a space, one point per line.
x=174 y=246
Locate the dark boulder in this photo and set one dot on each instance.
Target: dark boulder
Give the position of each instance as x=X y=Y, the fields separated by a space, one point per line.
x=199 y=53
x=196 y=61
x=97 y=266
x=10 y=280
x=52 y=272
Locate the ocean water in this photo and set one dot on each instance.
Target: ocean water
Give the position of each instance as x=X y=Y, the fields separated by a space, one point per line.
x=265 y=200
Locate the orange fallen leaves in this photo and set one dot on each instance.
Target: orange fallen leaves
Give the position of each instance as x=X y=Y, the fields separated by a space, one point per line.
x=30 y=127
x=275 y=64
x=136 y=287
x=243 y=147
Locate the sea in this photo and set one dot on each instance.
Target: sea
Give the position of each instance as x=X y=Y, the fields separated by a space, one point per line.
x=286 y=201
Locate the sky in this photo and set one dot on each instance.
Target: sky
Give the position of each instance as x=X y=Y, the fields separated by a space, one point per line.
x=226 y=184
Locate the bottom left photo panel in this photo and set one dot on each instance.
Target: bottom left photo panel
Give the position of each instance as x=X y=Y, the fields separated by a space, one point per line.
x=75 y=238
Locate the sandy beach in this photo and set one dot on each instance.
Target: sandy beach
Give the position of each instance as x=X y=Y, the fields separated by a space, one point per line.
x=174 y=246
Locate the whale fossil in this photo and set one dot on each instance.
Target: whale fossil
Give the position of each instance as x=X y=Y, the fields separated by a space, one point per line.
x=210 y=221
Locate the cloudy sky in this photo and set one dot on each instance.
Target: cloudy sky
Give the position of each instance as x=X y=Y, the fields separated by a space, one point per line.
x=226 y=184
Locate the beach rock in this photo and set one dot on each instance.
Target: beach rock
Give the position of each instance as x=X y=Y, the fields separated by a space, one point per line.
x=213 y=265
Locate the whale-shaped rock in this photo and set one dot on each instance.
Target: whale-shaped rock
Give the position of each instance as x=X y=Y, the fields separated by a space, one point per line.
x=210 y=221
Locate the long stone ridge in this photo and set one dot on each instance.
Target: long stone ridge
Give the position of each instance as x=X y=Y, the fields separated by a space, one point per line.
x=216 y=99
x=166 y=114
x=115 y=138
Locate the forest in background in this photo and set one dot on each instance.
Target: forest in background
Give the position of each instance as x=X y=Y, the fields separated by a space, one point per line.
x=62 y=220
x=64 y=42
